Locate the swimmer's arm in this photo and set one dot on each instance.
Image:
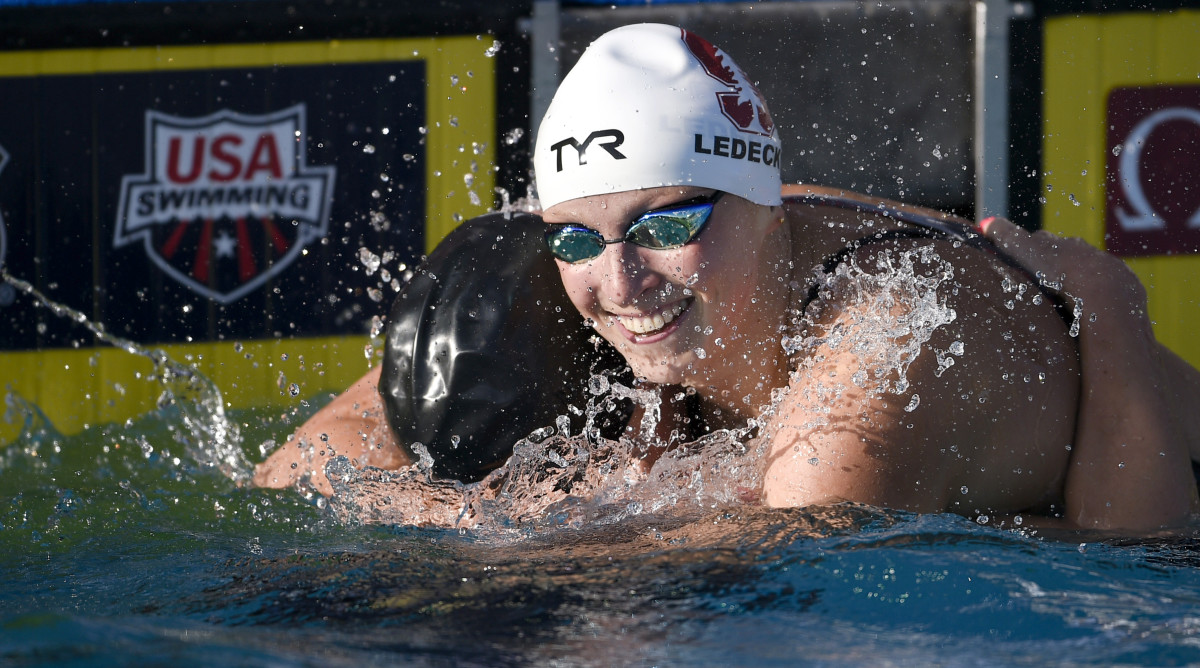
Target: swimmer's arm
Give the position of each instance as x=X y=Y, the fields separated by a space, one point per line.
x=844 y=455
x=948 y=441
x=1184 y=392
x=354 y=424
x=833 y=439
x=1130 y=467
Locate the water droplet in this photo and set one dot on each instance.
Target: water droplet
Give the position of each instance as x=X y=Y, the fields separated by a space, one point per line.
x=513 y=136
x=598 y=384
x=1117 y=149
x=369 y=260
x=963 y=489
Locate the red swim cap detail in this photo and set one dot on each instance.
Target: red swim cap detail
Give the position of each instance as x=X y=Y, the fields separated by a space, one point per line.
x=743 y=105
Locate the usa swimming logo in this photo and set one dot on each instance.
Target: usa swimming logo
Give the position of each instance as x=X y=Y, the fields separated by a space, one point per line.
x=226 y=201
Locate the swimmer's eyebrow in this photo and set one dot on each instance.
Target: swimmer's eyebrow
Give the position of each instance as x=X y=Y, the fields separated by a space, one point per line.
x=698 y=199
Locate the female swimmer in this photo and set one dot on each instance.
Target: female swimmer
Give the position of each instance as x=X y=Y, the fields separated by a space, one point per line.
x=887 y=363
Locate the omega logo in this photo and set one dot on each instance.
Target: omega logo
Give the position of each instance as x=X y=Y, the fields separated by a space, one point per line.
x=1143 y=217
x=1152 y=203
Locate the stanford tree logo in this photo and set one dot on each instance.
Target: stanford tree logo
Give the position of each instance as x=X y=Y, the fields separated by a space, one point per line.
x=226 y=200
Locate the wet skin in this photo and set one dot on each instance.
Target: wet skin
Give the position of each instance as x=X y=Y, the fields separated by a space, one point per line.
x=980 y=427
x=718 y=288
x=1131 y=465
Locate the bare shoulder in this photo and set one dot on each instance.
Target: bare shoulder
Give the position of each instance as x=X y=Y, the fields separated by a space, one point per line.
x=920 y=369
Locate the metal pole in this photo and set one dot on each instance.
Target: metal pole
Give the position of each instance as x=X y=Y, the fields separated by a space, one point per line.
x=544 y=44
x=991 y=108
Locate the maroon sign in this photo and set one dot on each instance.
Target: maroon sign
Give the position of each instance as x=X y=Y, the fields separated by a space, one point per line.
x=1153 y=186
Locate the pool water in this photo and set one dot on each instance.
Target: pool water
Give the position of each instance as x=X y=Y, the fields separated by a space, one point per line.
x=133 y=545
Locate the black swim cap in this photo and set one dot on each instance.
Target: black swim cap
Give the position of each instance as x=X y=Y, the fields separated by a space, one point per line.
x=483 y=348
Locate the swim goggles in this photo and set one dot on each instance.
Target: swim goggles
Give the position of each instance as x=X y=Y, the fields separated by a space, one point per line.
x=660 y=229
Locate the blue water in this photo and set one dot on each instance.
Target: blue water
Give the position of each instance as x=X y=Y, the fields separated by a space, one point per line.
x=125 y=545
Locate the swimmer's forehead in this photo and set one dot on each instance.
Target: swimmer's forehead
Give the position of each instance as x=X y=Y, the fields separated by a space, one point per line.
x=624 y=205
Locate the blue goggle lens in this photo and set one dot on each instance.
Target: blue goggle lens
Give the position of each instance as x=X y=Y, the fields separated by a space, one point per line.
x=659 y=230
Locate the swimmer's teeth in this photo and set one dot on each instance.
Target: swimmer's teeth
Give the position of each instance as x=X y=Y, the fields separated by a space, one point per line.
x=654 y=322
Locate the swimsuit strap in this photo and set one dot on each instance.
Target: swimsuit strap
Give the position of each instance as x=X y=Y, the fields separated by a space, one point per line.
x=831 y=263
x=925 y=226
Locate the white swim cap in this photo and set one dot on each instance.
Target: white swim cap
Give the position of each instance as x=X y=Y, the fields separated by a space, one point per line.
x=654 y=105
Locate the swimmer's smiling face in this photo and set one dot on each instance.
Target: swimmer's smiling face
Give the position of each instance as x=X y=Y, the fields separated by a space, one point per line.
x=659 y=308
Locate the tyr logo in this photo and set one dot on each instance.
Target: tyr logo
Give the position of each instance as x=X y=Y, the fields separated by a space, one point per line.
x=615 y=138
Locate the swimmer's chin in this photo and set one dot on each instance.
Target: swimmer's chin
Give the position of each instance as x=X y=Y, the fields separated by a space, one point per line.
x=681 y=368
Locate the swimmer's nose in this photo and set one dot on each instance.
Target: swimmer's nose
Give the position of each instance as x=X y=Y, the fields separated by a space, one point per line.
x=627 y=275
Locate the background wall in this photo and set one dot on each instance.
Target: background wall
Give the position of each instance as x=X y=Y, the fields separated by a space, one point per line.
x=1105 y=76
x=872 y=97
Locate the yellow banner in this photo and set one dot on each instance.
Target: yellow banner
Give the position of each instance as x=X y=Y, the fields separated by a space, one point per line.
x=79 y=387
x=1086 y=58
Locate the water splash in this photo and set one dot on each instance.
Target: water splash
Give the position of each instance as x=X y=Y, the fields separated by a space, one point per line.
x=904 y=284
x=508 y=206
x=558 y=478
x=208 y=436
